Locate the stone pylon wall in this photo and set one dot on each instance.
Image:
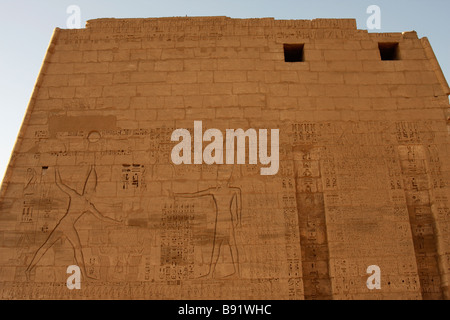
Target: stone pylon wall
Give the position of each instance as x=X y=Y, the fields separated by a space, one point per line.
x=364 y=175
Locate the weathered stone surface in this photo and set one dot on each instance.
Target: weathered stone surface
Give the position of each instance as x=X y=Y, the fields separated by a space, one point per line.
x=364 y=175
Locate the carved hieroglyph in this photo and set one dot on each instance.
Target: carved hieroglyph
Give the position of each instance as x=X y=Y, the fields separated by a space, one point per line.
x=364 y=174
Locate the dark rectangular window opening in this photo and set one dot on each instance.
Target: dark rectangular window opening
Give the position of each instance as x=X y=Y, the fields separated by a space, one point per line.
x=293 y=52
x=389 y=50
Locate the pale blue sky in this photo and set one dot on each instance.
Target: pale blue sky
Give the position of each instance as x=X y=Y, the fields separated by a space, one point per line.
x=27 y=25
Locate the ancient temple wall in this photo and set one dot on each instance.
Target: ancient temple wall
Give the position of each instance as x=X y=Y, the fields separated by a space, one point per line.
x=364 y=175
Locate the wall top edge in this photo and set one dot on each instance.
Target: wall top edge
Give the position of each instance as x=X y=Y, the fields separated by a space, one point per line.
x=220 y=20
